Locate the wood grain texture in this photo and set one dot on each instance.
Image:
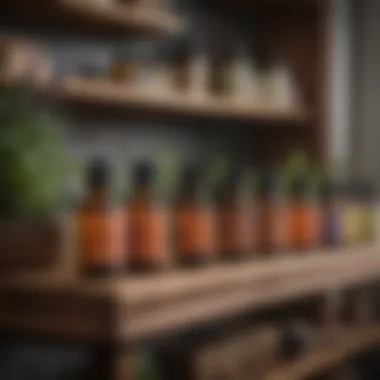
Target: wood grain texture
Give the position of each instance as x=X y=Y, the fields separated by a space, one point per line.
x=135 y=308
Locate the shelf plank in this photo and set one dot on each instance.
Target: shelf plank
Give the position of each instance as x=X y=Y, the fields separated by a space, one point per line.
x=146 y=20
x=104 y=92
x=324 y=358
x=91 y=18
x=135 y=308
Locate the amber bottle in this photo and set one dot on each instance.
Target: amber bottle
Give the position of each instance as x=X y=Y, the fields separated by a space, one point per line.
x=194 y=219
x=304 y=222
x=101 y=226
x=149 y=221
x=272 y=213
x=234 y=217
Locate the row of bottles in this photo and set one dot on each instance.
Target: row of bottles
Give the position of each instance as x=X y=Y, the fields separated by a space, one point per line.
x=225 y=213
x=238 y=74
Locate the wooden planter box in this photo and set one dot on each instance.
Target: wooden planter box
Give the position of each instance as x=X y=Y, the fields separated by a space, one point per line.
x=29 y=244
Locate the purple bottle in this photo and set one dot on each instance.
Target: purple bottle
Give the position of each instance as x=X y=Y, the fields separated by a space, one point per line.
x=331 y=221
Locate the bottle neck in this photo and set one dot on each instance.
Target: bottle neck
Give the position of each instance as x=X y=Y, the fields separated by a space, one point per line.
x=143 y=192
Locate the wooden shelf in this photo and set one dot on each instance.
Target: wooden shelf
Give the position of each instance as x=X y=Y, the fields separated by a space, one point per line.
x=104 y=92
x=93 y=18
x=328 y=356
x=136 y=308
x=124 y=17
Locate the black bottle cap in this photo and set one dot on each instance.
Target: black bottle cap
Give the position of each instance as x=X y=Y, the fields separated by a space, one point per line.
x=98 y=173
x=143 y=173
x=230 y=182
x=330 y=188
x=300 y=186
x=192 y=175
x=269 y=182
x=233 y=177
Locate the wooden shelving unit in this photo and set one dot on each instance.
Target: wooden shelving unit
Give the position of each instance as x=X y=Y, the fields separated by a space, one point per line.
x=135 y=308
x=99 y=92
x=116 y=314
x=94 y=18
x=328 y=356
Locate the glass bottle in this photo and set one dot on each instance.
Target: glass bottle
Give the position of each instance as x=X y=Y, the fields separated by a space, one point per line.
x=351 y=212
x=149 y=221
x=199 y=72
x=303 y=222
x=181 y=68
x=244 y=80
x=194 y=218
x=330 y=222
x=367 y=213
x=272 y=211
x=101 y=225
x=220 y=80
x=234 y=217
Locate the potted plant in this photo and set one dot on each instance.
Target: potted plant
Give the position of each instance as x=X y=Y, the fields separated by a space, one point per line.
x=33 y=167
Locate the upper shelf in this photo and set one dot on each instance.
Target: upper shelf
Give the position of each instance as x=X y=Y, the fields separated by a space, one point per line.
x=136 y=308
x=104 y=92
x=95 y=18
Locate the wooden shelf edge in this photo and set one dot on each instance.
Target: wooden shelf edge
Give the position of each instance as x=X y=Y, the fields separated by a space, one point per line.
x=325 y=358
x=139 y=308
x=104 y=92
x=149 y=19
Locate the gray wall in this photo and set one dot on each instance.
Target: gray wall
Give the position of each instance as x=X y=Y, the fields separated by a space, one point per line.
x=366 y=91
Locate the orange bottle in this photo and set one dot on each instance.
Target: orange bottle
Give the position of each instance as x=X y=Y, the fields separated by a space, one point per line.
x=194 y=219
x=234 y=218
x=101 y=226
x=272 y=214
x=149 y=221
x=304 y=221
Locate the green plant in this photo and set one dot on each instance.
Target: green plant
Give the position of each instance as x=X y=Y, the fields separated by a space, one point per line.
x=33 y=161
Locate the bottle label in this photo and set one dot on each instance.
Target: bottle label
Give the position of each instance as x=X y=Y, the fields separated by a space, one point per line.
x=235 y=230
x=351 y=224
x=304 y=229
x=148 y=235
x=273 y=226
x=195 y=231
x=101 y=238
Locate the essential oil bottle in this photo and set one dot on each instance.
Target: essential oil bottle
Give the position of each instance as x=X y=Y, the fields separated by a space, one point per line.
x=149 y=221
x=101 y=225
x=194 y=218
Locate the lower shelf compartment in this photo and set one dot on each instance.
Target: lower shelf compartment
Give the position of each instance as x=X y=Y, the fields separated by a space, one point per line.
x=328 y=355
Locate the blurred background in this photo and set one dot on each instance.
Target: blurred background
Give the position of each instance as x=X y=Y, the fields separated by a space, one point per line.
x=188 y=189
